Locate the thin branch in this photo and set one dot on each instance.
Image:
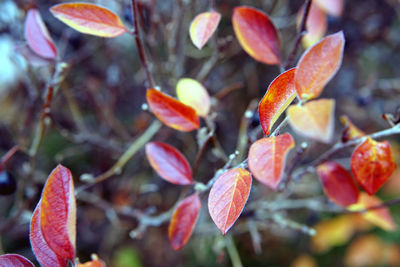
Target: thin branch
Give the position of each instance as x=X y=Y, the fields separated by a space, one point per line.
x=300 y=33
x=139 y=44
x=53 y=84
x=282 y=125
x=200 y=187
x=232 y=252
x=6 y=157
x=201 y=152
x=129 y=153
x=339 y=145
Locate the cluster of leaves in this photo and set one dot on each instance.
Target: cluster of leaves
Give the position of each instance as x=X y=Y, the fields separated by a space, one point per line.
x=54 y=220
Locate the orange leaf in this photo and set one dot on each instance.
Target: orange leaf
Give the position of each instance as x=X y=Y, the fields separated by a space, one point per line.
x=203 y=26
x=169 y=163
x=350 y=131
x=331 y=7
x=334 y=232
x=318 y=65
x=314 y=119
x=192 y=93
x=172 y=112
x=365 y=251
x=93 y=263
x=14 y=260
x=183 y=221
x=380 y=217
x=228 y=196
x=338 y=184
x=38 y=36
x=279 y=95
x=304 y=260
x=58 y=213
x=372 y=164
x=256 y=34
x=316 y=25
x=267 y=158
x=44 y=255
x=89 y=18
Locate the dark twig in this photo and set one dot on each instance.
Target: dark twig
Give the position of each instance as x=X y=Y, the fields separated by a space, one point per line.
x=300 y=33
x=139 y=44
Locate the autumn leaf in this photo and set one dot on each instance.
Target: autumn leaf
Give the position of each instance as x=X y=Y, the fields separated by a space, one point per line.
x=92 y=263
x=304 y=260
x=350 y=131
x=334 y=232
x=256 y=34
x=183 y=221
x=14 y=260
x=316 y=25
x=192 y=93
x=38 y=37
x=169 y=163
x=172 y=112
x=202 y=27
x=228 y=196
x=370 y=250
x=89 y=18
x=380 y=217
x=318 y=65
x=314 y=119
x=372 y=164
x=43 y=253
x=279 y=95
x=331 y=7
x=338 y=184
x=58 y=213
x=267 y=158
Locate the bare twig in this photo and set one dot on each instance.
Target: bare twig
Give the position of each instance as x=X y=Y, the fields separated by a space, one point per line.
x=300 y=33
x=139 y=44
x=129 y=153
x=282 y=125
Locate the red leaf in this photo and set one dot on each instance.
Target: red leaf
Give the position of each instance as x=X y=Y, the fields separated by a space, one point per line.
x=38 y=36
x=338 y=184
x=202 y=27
x=279 y=95
x=256 y=34
x=267 y=158
x=183 y=221
x=44 y=255
x=58 y=213
x=372 y=164
x=89 y=18
x=314 y=119
x=172 y=112
x=228 y=196
x=14 y=260
x=169 y=163
x=318 y=65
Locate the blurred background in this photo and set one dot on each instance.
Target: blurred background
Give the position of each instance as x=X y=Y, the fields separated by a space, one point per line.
x=97 y=112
